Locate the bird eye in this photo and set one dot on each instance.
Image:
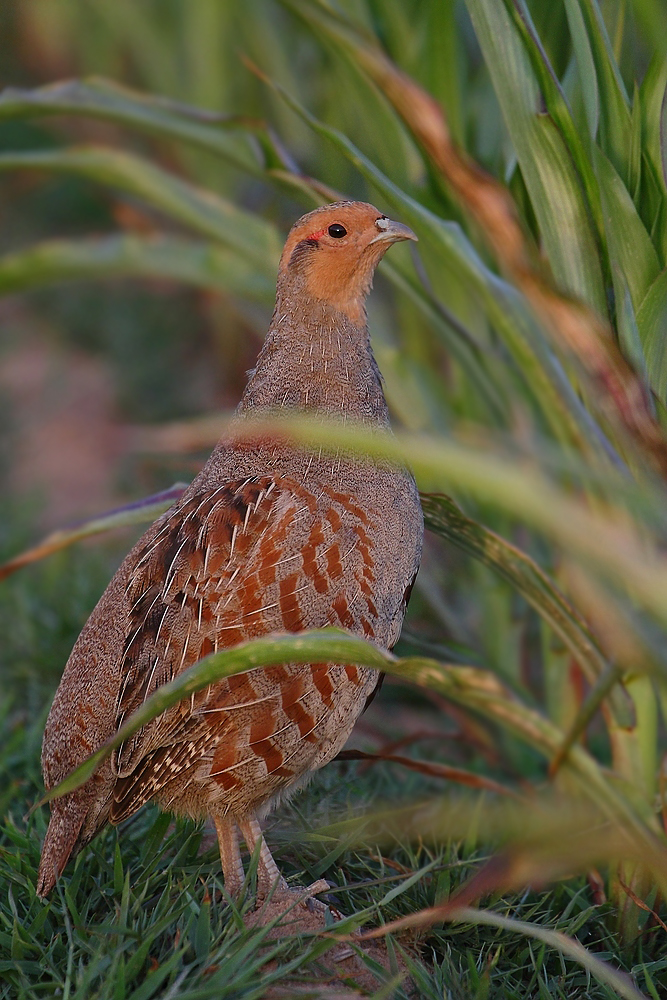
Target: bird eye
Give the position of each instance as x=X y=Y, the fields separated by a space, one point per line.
x=337 y=231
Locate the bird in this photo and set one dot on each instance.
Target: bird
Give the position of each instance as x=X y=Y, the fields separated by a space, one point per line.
x=269 y=537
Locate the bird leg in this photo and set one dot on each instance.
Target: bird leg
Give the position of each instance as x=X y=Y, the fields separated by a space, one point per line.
x=267 y=870
x=230 y=855
x=269 y=879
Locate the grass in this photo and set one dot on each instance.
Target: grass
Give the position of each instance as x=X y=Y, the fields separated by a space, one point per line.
x=523 y=355
x=142 y=913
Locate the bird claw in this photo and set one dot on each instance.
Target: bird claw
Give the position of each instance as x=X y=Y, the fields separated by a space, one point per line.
x=295 y=906
x=304 y=895
x=316 y=905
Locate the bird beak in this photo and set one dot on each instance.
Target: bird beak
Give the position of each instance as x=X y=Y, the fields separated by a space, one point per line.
x=392 y=232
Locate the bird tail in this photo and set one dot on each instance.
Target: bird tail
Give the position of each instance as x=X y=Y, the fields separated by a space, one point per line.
x=62 y=839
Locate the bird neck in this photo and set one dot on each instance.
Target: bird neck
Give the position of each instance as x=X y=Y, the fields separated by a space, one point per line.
x=317 y=358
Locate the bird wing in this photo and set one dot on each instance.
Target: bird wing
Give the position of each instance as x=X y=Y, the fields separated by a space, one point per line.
x=227 y=565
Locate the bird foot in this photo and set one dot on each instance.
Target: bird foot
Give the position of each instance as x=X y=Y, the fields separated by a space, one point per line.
x=295 y=909
x=301 y=895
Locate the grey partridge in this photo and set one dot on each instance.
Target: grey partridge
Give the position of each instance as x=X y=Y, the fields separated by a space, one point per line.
x=268 y=537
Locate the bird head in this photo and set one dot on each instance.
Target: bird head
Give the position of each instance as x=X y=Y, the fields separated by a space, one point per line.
x=331 y=253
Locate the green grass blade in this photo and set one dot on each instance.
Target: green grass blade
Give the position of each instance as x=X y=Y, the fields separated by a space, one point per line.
x=652 y=327
x=603 y=542
x=319 y=646
x=653 y=16
x=201 y=210
x=605 y=685
x=615 y=131
x=628 y=332
x=555 y=189
x=620 y=982
x=630 y=246
x=585 y=64
x=635 y=167
x=441 y=66
x=444 y=517
x=632 y=561
x=458 y=341
x=224 y=135
x=205 y=265
x=651 y=95
x=472 y=687
x=663 y=137
x=139 y=512
x=557 y=106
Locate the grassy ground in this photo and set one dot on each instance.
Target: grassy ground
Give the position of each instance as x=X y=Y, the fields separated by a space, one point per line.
x=142 y=911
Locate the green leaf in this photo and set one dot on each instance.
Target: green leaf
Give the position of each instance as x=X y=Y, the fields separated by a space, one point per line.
x=206 y=265
x=635 y=161
x=471 y=356
x=607 y=543
x=604 y=973
x=553 y=184
x=652 y=200
x=663 y=137
x=201 y=210
x=557 y=106
x=629 y=559
x=628 y=332
x=606 y=684
x=652 y=93
x=444 y=517
x=440 y=65
x=202 y=931
x=469 y=686
x=653 y=16
x=615 y=130
x=319 y=646
x=652 y=326
x=630 y=246
x=159 y=116
x=139 y=512
x=585 y=65
x=156 y=976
